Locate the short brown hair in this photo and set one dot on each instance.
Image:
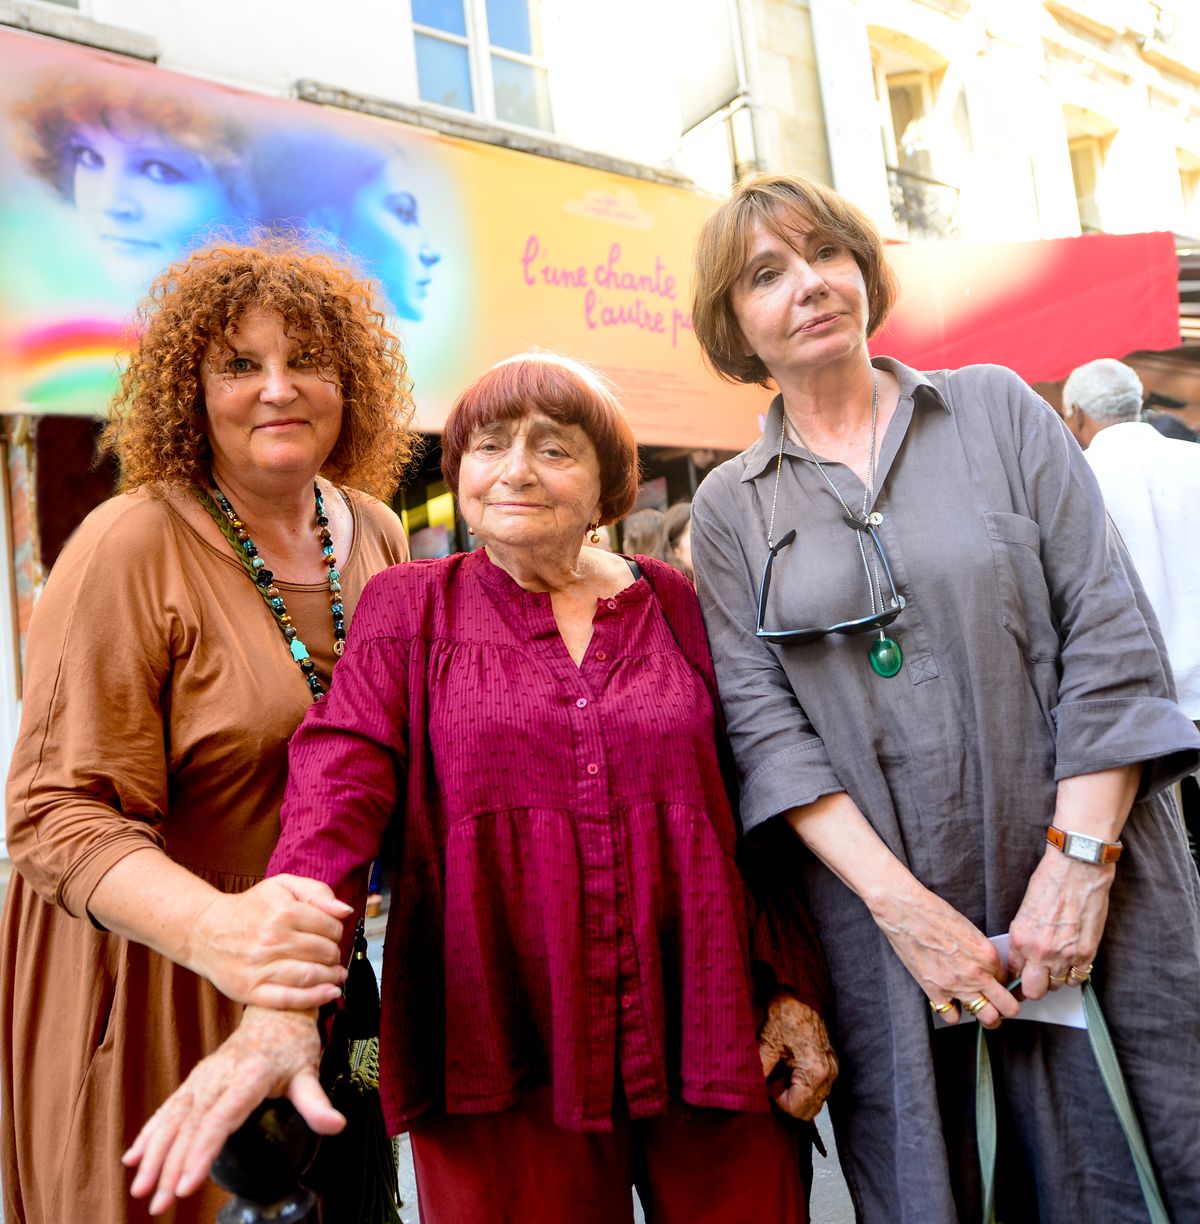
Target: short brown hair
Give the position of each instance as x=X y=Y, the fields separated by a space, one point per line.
x=157 y=425
x=565 y=390
x=786 y=204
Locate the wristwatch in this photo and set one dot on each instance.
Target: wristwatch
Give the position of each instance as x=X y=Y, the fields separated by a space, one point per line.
x=1084 y=847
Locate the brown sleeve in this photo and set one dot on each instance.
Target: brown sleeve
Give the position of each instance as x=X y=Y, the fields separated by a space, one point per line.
x=88 y=781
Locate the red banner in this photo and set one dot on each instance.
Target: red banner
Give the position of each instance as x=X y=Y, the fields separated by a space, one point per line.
x=1040 y=308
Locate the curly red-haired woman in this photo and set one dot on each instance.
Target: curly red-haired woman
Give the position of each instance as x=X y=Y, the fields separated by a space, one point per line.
x=178 y=643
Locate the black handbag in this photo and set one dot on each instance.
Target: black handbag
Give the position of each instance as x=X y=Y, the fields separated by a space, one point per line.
x=354 y=1173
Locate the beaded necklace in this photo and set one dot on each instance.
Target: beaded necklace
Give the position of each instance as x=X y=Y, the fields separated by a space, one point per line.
x=234 y=530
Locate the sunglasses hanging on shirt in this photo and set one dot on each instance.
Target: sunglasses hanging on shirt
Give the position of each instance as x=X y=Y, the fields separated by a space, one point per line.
x=885 y=655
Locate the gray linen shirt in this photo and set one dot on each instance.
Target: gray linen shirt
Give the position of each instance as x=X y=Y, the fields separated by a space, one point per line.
x=1030 y=655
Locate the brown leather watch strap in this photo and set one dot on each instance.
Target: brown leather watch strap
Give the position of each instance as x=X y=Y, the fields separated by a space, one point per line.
x=1083 y=846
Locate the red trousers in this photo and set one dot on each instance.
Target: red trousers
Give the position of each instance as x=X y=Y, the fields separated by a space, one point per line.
x=690 y=1166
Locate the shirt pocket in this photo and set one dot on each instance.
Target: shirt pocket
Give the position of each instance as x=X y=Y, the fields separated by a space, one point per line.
x=1021 y=583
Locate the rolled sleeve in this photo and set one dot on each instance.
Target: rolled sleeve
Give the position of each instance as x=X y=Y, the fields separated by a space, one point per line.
x=782 y=763
x=795 y=775
x=1109 y=734
x=1116 y=702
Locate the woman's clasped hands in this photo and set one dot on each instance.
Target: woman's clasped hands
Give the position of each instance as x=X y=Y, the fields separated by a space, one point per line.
x=951 y=959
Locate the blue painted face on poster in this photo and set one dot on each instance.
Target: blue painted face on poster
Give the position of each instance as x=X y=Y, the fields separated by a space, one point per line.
x=360 y=198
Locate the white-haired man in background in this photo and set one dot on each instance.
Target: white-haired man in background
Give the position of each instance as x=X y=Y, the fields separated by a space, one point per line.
x=1151 y=487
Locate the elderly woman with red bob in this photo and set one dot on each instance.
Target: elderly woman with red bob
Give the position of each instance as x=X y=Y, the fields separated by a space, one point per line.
x=575 y=978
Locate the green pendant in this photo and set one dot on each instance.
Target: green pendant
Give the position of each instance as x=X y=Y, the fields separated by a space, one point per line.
x=886 y=657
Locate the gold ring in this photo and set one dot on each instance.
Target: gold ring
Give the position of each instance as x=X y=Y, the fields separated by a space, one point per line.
x=977 y=1005
x=1079 y=974
x=1060 y=980
x=942 y=1008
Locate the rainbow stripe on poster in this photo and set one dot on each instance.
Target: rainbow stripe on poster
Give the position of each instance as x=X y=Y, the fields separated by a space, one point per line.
x=70 y=365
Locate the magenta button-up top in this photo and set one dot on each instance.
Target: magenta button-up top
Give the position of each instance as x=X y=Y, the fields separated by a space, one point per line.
x=565 y=903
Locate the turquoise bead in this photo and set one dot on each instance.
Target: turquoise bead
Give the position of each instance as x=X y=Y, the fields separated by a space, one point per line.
x=299 y=650
x=886 y=657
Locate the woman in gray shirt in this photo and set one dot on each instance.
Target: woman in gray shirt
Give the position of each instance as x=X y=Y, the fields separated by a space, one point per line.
x=938 y=667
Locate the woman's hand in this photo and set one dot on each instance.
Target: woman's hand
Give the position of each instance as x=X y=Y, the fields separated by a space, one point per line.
x=949 y=956
x=275 y=945
x=793 y=1037
x=272 y=1053
x=1060 y=922
x=1062 y=915
x=951 y=959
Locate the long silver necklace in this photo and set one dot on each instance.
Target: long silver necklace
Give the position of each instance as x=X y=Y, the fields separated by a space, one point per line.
x=885 y=655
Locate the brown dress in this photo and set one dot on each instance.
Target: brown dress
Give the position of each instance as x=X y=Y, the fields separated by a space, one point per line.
x=159 y=699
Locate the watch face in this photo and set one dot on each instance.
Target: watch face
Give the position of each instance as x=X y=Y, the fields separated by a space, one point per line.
x=1079 y=846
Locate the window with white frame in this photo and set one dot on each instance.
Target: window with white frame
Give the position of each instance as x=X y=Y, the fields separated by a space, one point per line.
x=1189 y=183
x=483 y=56
x=1087 y=166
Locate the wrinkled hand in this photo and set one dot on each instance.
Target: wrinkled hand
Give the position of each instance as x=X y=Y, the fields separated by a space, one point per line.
x=275 y=945
x=948 y=955
x=793 y=1036
x=272 y=1053
x=1060 y=922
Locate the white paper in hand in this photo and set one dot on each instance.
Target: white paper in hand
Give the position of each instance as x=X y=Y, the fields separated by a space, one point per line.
x=1063 y=1006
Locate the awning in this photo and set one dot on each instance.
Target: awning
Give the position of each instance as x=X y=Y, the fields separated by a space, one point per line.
x=1041 y=308
x=1188 y=251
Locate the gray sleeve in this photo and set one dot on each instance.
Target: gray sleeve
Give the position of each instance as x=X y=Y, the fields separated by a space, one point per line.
x=782 y=763
x=1116 y=698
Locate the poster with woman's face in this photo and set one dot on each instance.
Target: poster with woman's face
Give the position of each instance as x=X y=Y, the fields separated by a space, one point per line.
x=111 y=170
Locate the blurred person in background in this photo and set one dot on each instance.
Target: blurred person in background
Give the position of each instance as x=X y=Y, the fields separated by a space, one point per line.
x=1170 y=416
x=1151 y=487
x=643 y=533
x=678 y=530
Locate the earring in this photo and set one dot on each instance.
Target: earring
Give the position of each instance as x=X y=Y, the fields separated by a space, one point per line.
x=470 y=531
x=595 y=533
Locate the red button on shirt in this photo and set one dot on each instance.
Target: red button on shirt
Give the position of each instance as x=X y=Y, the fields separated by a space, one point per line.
x=612 y=605
x=601 y=655
x=593 y=768
x=627 y=1001
x=582 y=702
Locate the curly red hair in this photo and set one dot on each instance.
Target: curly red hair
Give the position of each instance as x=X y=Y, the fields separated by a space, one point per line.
x=157 y=426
